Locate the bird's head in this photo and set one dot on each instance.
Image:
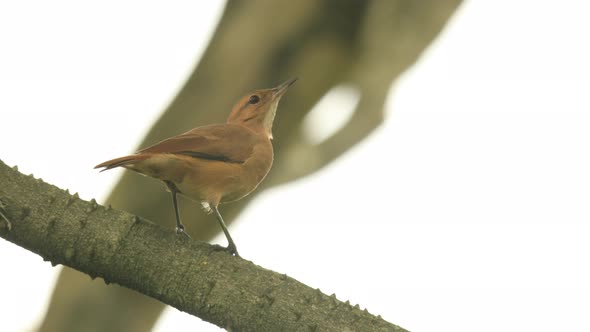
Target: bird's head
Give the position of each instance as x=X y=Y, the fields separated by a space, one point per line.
x=257 y=109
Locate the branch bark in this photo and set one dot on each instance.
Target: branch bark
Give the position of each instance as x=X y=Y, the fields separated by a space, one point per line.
x=191 y=276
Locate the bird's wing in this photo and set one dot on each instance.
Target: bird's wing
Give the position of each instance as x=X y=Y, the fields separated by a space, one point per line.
x=228 y=143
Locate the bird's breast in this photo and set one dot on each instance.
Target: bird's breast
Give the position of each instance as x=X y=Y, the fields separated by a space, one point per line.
x=252 y=172
x=218 y=181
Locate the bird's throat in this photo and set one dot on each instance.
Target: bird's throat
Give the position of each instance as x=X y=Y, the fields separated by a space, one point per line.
x=269 y=118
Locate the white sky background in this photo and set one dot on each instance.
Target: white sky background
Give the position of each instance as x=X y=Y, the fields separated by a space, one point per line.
x=474 y=214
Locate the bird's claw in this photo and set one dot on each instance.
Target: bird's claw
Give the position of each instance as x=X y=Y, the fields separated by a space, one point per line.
x=180 y=231
x=232 y=250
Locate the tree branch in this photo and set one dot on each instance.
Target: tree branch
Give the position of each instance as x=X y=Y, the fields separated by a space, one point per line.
x=191 y=276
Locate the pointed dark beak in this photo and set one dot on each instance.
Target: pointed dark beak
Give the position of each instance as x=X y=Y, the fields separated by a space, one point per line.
x=281 y=89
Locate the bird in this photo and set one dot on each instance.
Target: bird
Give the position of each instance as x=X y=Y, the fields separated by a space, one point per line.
x=216 y=163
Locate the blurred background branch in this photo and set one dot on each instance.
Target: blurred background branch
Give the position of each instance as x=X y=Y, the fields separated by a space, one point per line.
x=366 y=44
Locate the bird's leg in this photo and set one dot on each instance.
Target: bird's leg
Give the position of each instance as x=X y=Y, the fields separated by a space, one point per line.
x=231 y=246
x=179 y=225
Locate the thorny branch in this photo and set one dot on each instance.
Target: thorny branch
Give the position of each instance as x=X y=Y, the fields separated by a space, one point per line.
x=191 y=276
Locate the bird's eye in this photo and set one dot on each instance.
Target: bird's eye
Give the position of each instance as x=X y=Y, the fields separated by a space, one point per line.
x=254 y=99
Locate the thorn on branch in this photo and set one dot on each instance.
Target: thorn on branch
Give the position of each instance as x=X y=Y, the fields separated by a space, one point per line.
x=72 y=199
x=93 y=206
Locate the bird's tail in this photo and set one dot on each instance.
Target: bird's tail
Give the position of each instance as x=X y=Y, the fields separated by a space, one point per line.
x=122 y=161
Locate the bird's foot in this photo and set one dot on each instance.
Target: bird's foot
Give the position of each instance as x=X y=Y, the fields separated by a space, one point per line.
x=180 y=231
x=230 y=249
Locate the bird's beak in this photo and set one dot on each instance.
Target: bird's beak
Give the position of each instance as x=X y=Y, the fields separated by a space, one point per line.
x=280 y=90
